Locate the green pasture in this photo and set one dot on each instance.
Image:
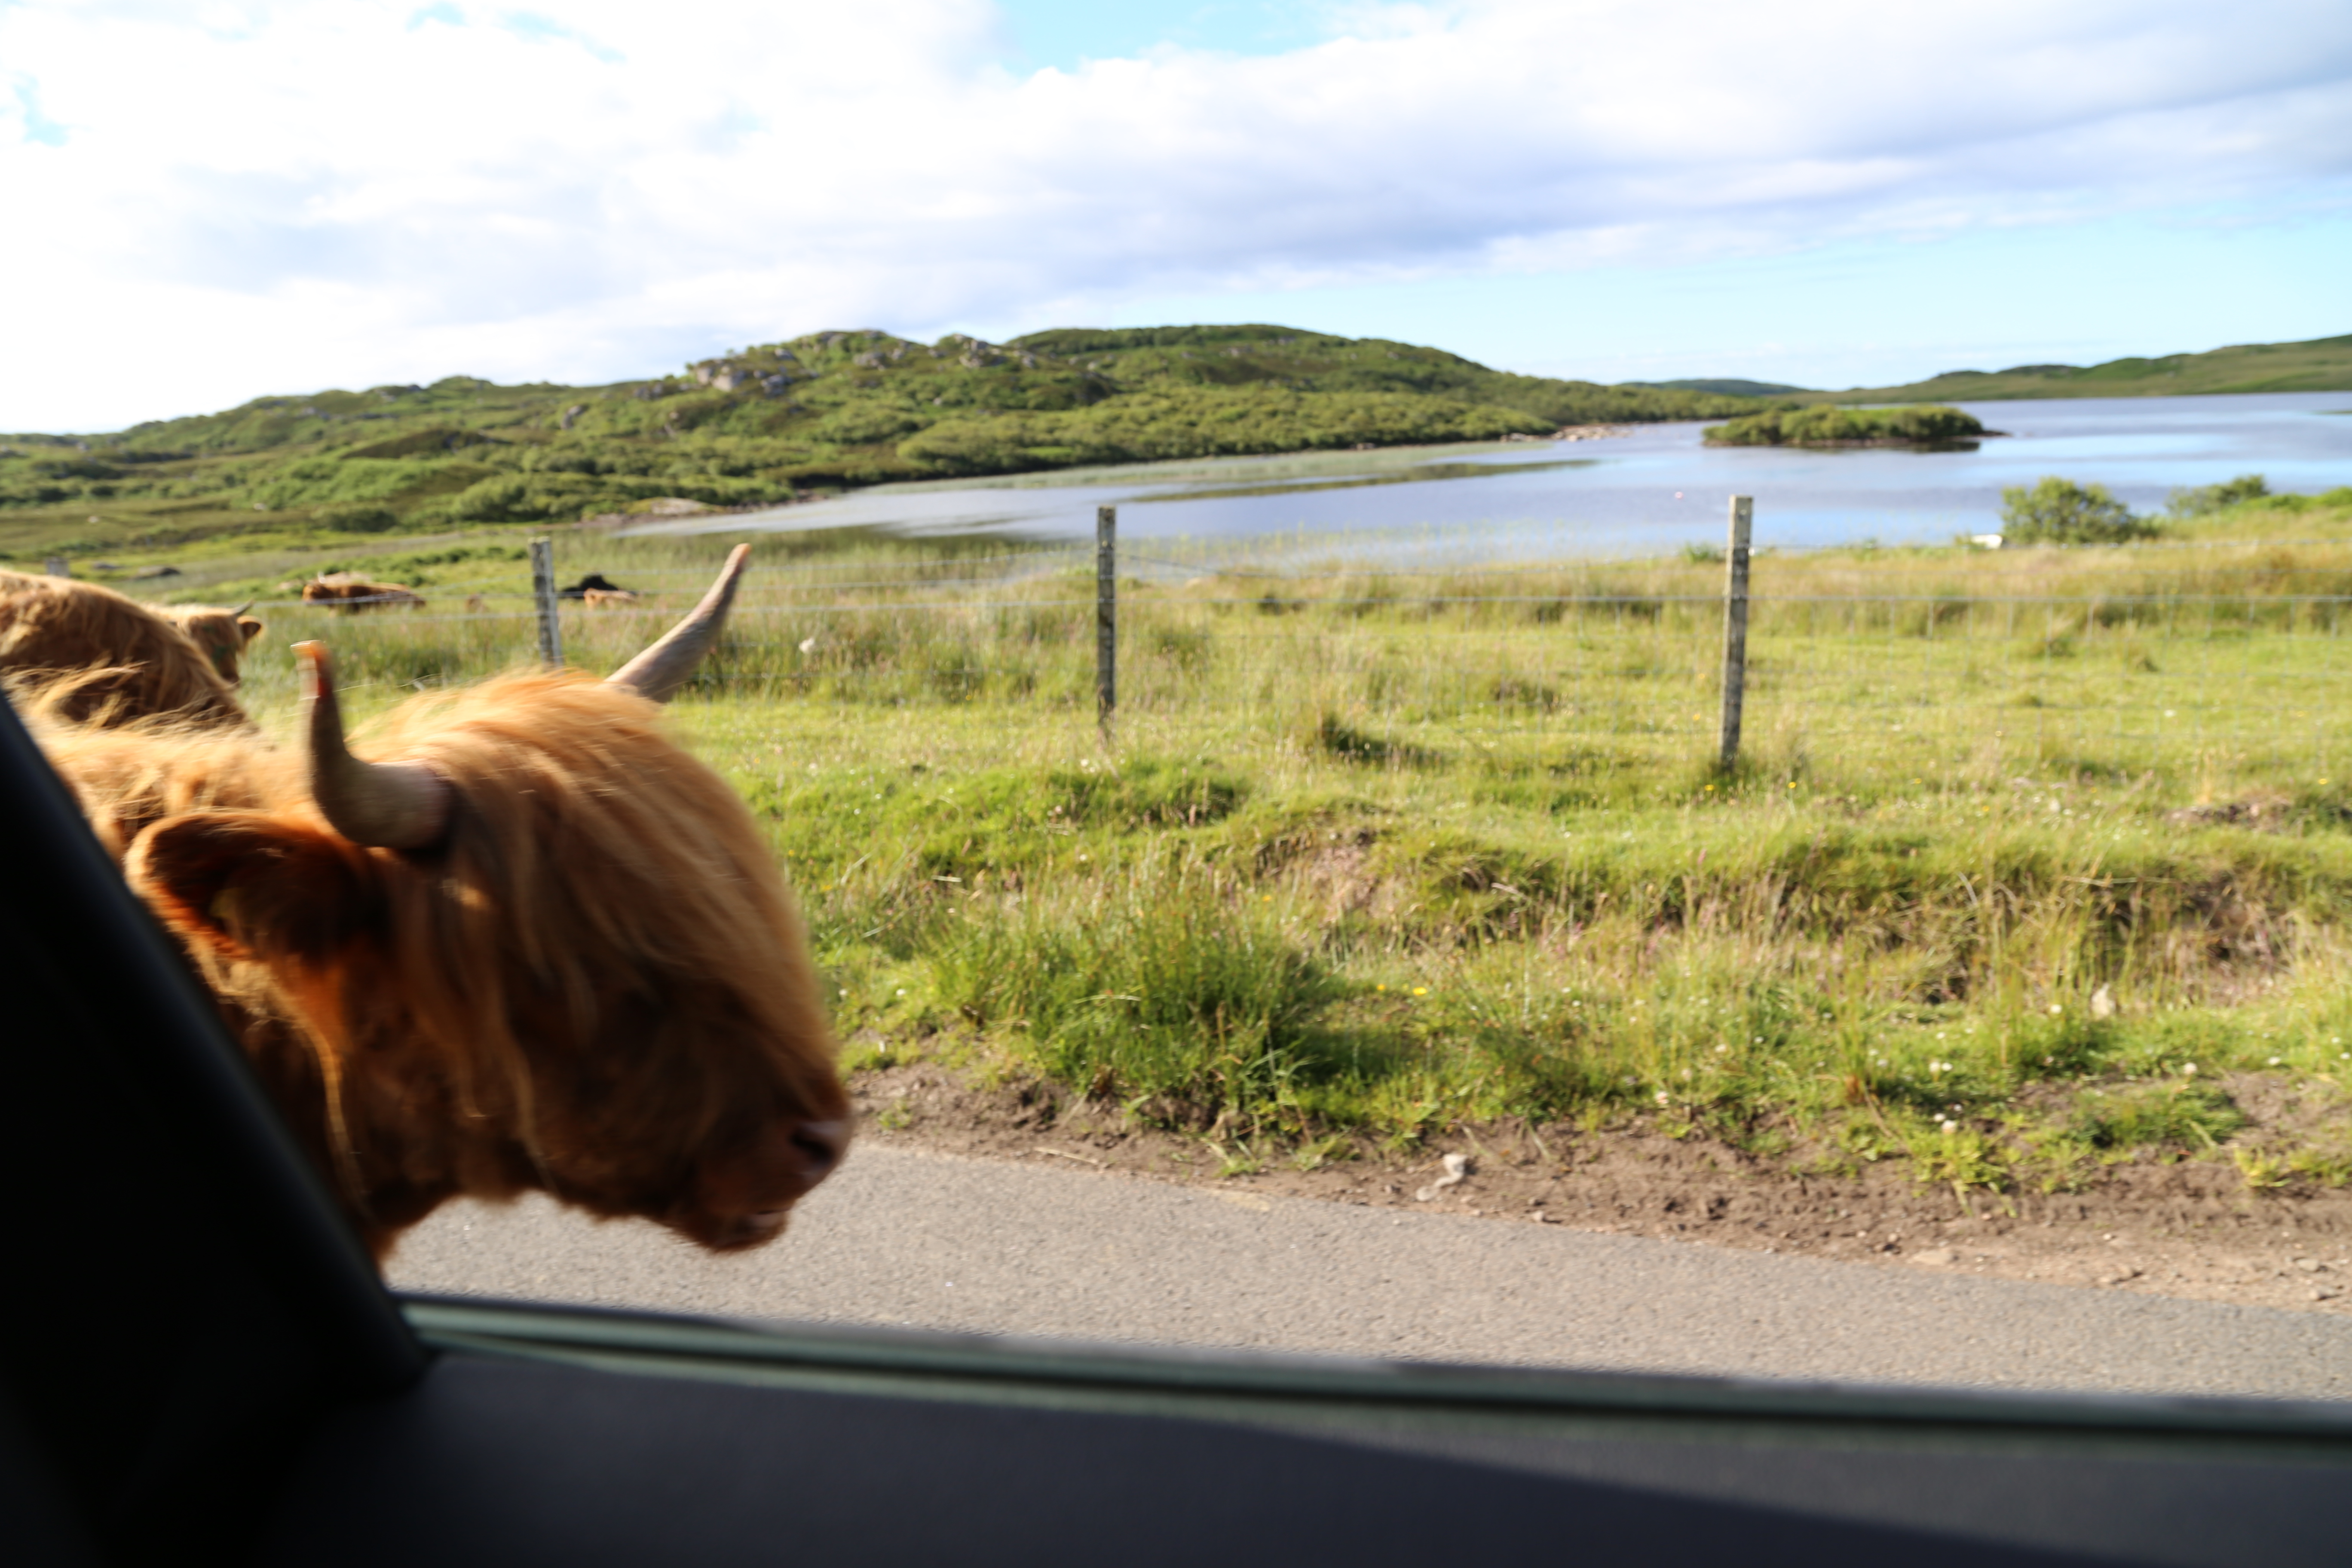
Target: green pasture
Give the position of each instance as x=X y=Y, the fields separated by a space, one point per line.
x=2035 y=860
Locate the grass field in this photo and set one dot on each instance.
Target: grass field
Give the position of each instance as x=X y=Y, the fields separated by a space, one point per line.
x=2028 y=850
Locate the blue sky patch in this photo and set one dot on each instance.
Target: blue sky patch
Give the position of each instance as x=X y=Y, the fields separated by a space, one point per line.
x=1064 y=33
x=530 y=25
x=38 y=127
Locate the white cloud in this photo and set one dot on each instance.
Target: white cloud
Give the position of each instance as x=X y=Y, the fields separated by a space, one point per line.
x=211 y=202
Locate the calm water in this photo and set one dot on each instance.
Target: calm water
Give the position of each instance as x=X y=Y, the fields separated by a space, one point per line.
x=1640 y=494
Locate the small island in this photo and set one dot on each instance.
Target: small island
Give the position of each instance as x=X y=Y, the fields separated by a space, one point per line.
x=1920 y=425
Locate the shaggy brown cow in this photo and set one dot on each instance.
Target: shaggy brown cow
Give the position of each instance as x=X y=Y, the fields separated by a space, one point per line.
x=351 y=592
x=223 y=635
x=608 y=599
x=84 y=653
x=542 y=947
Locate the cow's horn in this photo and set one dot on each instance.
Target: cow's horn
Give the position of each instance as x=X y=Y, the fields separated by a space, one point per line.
x=391 y=805
x=246 y=606
x=666 y=665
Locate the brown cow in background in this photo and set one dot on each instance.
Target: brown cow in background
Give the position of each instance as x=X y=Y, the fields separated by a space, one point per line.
x=223 y=635
x=539 y=946
x=351 y=592
x=84 y=653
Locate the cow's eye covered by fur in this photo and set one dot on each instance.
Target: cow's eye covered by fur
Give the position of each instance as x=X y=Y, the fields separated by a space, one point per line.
x=253 y=885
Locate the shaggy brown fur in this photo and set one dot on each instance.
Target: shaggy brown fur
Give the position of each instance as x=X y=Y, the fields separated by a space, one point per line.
x=223 y=635
x=598 y=986
x=350 y=592
x=607 y=598
x=85 y=653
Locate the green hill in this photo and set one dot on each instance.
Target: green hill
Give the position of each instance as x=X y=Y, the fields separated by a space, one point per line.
x=2321 y=364
x=1725 y=387
x=819 y=414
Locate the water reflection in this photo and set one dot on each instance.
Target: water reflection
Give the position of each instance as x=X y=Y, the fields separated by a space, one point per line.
x=1651 y=491
x=1420 y=473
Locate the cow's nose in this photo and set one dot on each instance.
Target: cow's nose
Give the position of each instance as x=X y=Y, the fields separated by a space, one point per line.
x=822 y=1143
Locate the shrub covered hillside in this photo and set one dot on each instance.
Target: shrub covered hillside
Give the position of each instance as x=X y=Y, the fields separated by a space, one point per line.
x=826 y=412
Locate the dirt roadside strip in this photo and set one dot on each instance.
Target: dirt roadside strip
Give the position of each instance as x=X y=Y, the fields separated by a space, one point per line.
x=903 y=1236
x=2191 y=1229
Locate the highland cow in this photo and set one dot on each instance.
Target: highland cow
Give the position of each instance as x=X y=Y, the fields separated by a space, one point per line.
x=223 y=635
x=608 y=599
x=351 y=592
x=87 y=655
x=538 y=946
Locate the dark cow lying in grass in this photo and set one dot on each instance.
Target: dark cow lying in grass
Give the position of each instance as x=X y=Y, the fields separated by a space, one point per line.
x=88 y=655
x=536 y=946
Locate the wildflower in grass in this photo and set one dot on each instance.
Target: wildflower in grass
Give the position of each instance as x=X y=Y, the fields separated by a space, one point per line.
x=2056 y=1008
x=1421 y=990
x=1662 y=1097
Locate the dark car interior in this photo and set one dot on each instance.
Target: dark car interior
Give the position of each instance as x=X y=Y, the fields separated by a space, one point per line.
x=203 y=1367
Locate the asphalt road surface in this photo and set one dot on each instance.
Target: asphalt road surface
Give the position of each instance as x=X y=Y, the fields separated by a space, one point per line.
x=903 y=1238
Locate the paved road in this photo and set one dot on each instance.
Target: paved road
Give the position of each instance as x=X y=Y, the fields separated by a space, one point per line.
x=905 y=1238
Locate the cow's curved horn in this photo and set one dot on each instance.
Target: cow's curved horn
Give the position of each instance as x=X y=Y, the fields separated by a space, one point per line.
x=665 y=667
x=391 y=805
x=246 y=606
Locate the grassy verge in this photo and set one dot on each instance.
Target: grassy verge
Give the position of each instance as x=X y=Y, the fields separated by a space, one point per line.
x=2030 y=851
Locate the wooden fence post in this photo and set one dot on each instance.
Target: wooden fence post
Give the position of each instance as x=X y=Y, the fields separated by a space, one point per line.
x=1106 y=615
x=55 y=566
x=1735 y=627
x=543 y=589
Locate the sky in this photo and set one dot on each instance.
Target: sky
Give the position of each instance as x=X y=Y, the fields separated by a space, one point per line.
x=215 y=200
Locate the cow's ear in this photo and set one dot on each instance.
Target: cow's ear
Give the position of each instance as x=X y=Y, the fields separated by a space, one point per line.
x=249 y=626
x=252 y=885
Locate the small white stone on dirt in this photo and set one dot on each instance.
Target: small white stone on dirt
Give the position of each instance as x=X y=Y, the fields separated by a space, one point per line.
x=1457 y=1168
x=1935 y=1256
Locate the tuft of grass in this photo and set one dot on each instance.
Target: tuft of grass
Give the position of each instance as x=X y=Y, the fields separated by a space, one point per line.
x=2178 y=1117
x=1350 y=745
x=1167 y=989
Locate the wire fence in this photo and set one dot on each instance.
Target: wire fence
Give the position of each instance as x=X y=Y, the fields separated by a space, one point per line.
x=1391 y=665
